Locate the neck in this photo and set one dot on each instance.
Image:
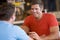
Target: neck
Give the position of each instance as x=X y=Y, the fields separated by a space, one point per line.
x=10 y=21
x=39 y=17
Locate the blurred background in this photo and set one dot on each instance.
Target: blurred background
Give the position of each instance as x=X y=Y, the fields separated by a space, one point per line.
x=23 y=8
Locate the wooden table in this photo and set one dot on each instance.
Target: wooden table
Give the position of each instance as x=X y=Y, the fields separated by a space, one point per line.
x=18 y=22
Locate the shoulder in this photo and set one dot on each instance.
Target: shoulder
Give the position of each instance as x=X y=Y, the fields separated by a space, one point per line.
x=18 y=30
x=15 y=27
x=50 y=15
x=20 y=33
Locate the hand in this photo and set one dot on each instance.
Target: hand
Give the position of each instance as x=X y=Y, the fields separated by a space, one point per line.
x=34 y=35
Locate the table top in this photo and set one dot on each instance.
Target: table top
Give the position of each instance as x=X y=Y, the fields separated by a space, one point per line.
x=18 y=22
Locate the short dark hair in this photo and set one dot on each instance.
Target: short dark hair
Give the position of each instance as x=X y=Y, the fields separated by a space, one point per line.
x=6 y=11
x=37 y=2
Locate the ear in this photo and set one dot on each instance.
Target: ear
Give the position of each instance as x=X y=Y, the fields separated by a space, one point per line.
x=13 y=17
x=42 y=8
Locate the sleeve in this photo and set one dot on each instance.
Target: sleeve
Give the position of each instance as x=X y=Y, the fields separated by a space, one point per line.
x=52 y=20
x=20 y=33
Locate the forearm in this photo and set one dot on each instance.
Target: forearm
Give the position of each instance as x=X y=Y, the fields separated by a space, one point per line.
x=54 y=33
x=50 y=37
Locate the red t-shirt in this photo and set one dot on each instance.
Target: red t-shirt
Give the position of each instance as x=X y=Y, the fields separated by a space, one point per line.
x=42 y=26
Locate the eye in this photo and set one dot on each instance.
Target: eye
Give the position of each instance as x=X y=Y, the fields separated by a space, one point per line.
x=36 y=8
x=32 y=8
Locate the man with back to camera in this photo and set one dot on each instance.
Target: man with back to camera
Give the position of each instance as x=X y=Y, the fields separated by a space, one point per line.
x=41 y=26
x=8 y=31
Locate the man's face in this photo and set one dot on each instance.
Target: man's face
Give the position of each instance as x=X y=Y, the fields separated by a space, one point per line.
x=36 y=10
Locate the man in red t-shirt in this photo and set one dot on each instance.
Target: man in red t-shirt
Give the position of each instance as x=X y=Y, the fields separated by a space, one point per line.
x=40 y=25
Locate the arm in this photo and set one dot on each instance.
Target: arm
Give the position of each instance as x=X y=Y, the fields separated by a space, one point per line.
x=54 y=28
x=25 y=28
x=54 y=33
x=20 y=34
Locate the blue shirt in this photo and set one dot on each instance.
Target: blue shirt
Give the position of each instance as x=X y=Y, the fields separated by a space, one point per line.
x=11 y=32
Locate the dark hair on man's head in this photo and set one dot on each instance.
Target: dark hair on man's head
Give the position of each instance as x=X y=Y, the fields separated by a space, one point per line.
x=37 y=2
x=6 y=11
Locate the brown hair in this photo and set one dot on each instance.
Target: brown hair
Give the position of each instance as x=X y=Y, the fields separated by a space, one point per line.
x=6 y=11
x=37 y=2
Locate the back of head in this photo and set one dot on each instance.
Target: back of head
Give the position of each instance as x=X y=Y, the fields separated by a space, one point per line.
x=6 y=10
